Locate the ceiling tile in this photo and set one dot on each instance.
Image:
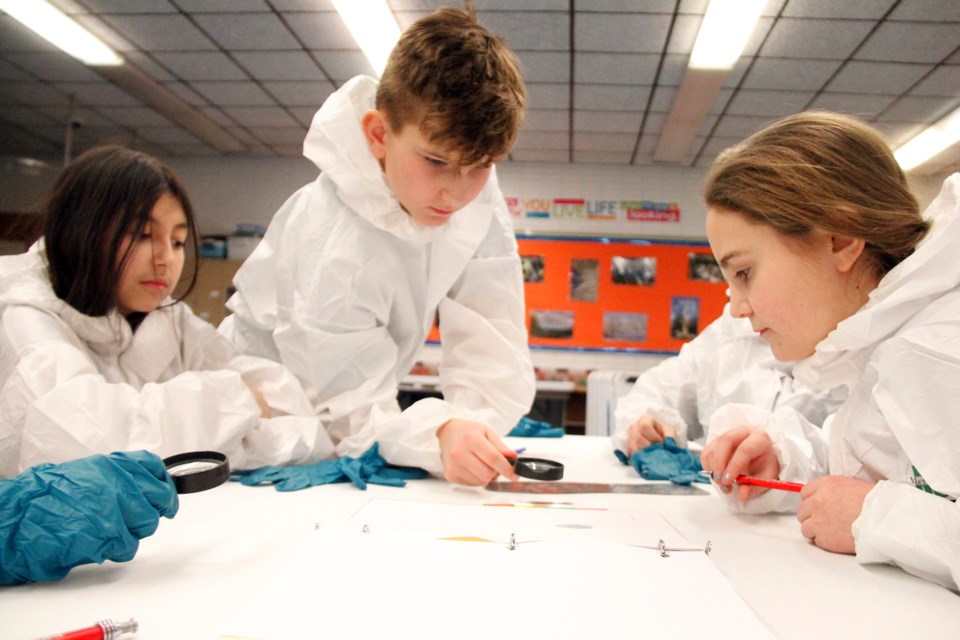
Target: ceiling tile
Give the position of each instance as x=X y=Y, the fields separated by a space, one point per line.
x=98 y=94
x=200 y=65
x=787 y=74
x=833 y=9
x=547 y=120
x=827 y=39
x=222 y=6
x=280 y=65
x=615 y=32
x=942 y=81
x=547 y=96
x=611 y=97
x=924 y=109
x=32 y=93
x=52 y=66
x=602 y=157
x=247 y=31
x=160 y=32
x=542 y=140
x=927 y=10
x=604 y=141
x=538 y=155
x=303 y=115
x=876 y=77
x=279 y=135
x=130 y=6
x=301 y=94
x=343 y=65
x=544 y=66
x=261 y=116
x=233 y=93
x=527 y=31
x=752 y=102
x=857 y=104
x=607 y=121
x=911 y=42
x=320 y=30
x=134 y=116
x=615 y=68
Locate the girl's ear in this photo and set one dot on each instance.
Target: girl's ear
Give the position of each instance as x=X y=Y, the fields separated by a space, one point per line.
x=846 y=250
x=374 y=126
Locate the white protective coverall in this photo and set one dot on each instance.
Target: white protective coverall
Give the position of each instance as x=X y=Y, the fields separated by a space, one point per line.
x=900 y=357
x=344 y=287
x=72 y=385
x=728 y=362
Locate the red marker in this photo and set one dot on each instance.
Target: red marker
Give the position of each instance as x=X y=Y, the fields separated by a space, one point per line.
x=769 y=484
x=762 y=482
x=103 y=630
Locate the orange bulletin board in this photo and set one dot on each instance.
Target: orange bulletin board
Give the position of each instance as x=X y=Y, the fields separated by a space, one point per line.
x=618 y=294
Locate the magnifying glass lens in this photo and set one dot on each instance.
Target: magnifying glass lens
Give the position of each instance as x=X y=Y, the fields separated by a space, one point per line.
x=197 y=470
x=187 y=468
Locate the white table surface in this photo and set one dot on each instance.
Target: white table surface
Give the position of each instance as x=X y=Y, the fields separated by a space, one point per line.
x=223 y=543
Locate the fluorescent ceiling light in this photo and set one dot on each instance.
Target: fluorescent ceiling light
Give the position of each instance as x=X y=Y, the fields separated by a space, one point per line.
x=61 y=31
x=930 y=142
x=724 y=32
x=373 y=26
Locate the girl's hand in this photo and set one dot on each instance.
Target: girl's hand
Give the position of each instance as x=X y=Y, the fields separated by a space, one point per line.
x=645 y=431
x=741 y=451
x=830 y=506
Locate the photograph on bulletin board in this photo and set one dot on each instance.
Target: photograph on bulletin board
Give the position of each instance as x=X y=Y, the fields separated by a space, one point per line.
x=618 y=294
x=583 y=280
x=703 y=266
x=532 y=268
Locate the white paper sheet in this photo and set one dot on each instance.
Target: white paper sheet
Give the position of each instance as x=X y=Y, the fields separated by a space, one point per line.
x=399 y=580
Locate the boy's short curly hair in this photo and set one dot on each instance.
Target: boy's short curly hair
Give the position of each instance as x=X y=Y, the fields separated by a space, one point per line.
x=459 y=82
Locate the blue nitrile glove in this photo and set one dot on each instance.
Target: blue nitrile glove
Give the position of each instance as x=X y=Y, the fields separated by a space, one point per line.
x=55 y=517
x=369 y=468
x=528 y=428
x=665 y=461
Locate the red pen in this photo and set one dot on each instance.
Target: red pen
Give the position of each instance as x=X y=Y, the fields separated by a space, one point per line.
x=769 y=484
x=762 y=482
x=103 y=630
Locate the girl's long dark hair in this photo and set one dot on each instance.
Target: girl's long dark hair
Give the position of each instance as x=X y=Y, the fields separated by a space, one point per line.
x=99 y=198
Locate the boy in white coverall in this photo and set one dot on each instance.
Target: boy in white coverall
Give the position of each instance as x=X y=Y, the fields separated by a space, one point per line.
x=405 y=222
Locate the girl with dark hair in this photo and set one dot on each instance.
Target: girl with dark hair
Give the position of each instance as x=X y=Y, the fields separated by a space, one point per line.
x=95 y=355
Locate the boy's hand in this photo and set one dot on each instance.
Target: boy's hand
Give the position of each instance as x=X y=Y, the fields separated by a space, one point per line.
x=473 y=454
x=830 y=506
x=742 y=451
x=646 y=431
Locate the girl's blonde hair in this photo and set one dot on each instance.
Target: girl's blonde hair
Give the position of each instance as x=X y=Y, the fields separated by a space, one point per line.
x=818 y=170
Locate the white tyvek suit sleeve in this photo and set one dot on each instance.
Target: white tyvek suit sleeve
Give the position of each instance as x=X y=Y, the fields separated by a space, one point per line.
x=668 y=391
x=67 y=409
x=916 y=393
x=800 y=447
x=917 y=531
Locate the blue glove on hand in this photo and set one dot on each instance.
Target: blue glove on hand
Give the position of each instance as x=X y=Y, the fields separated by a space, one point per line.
x=665 y=461
x=55 y=517
x=528 y=428
x=370 y=468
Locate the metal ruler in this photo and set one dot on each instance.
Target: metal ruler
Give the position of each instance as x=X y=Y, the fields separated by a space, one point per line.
x=664 y=488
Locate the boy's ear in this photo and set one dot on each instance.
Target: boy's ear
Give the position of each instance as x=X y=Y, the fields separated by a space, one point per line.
x=374 y=126
x=846 y=251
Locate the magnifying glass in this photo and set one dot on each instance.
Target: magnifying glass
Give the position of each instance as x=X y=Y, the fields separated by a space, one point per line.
x=538 y=468
x=197 y=470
